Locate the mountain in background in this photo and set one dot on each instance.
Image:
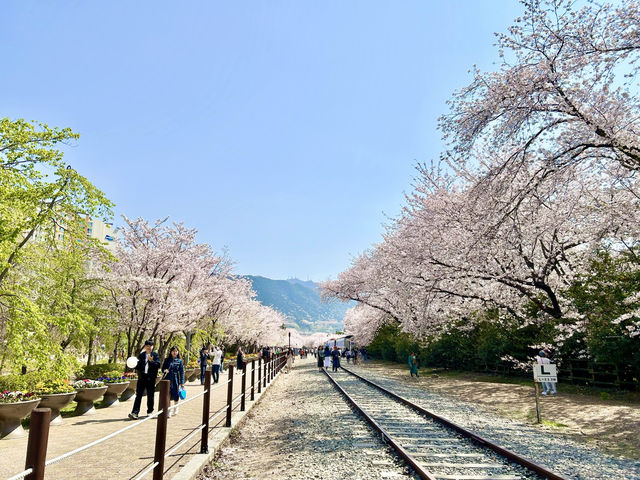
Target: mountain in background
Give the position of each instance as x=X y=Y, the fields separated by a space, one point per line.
x=300 y=301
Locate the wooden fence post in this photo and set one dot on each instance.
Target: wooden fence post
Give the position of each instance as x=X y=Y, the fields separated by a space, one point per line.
x=259 y=375
x=206 y=405
x=244 y=387
x=37 y=444
x=229 y=395
x=253 y=378
x=161 y=430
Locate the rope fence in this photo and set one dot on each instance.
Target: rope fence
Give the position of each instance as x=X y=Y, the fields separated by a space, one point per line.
x=267 y=370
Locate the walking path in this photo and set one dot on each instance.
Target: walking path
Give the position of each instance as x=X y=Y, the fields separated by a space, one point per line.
x=128 y=454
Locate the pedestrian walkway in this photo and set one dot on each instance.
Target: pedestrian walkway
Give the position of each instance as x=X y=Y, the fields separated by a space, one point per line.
x=127 y=455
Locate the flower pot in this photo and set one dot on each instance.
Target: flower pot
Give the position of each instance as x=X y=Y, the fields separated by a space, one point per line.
x=192 y=374
x=85 y=398
x=56 y=402
x=113 y=390
x=11 y=414
x=130 y=391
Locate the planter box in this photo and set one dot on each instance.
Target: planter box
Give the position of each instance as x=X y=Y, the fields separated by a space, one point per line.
x=11 y=414
x=56 y=402
x=130 y=391
x=85 y=398
x=192 y=374
x=113 y=390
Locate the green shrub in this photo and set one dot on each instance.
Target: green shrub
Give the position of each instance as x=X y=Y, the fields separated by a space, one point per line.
x=26 y=383
x=99 y=370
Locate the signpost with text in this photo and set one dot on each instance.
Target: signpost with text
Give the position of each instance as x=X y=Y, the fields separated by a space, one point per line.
x=543 y=372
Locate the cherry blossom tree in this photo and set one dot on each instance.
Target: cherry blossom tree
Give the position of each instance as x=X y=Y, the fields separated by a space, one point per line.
x=565 y=94
x=160 y=281
x=363 y=323
x=451 y=253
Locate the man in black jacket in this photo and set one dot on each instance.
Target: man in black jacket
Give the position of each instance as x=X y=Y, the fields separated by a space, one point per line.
x=148 y=365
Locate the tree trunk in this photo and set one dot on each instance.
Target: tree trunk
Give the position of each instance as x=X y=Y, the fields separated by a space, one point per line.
x=187 y=348
x=90 y=350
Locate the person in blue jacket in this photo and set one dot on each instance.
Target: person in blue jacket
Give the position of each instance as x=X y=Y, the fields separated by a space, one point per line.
x=173 y=370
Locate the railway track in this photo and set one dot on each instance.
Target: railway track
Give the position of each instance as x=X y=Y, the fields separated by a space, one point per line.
x=436 y=448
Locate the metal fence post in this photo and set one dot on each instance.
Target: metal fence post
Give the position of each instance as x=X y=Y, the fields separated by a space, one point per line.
x=161 y=430
x=259 y=375
x=37 y=444
x=229 y=395
x=253 y=379
x=206 y=404
x=244 y=386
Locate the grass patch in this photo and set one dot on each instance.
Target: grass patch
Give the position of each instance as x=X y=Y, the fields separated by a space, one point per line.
x=551 y=423
x=602 y=394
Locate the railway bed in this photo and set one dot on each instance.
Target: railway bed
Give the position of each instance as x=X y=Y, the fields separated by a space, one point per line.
x=434 y=447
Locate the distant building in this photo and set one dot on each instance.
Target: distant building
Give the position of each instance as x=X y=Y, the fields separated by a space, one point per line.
x=94 y=228
x=101 y=231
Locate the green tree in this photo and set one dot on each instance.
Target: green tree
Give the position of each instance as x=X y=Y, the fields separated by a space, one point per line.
x=44 y=250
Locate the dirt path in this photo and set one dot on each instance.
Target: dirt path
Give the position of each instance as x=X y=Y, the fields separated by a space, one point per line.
x=612 y=426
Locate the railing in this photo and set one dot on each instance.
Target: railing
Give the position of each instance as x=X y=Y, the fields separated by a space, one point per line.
x=36 y=462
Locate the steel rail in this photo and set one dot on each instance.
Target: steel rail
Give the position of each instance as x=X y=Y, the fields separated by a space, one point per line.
x=466 y=433
x=422 y=473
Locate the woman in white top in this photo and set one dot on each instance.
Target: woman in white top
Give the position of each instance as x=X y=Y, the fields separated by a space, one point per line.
x=215 y=364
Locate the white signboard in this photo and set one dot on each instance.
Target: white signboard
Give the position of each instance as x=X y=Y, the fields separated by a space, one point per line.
x=545 y=372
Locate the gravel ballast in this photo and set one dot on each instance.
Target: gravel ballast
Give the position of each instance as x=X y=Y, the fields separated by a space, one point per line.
x=558 y=453
x=303 y=428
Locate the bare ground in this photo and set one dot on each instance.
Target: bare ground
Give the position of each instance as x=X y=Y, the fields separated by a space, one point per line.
x=611 y=426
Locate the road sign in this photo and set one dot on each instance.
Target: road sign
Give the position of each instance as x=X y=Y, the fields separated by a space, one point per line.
x=545 y=372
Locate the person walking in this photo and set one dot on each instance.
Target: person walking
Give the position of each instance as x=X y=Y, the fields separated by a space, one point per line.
x=320 y=358
x=215 y=363
x=335 y=358
x=148 y=365
x=173 y=370
x=202 y=360
x=327 y=357
x=240 y=360
x=224 y=350
x=413 y=364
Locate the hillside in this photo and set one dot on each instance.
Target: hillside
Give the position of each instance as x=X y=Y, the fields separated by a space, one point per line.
x=300 y=302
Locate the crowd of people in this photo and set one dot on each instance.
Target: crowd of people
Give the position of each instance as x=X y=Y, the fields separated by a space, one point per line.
x=172 y=368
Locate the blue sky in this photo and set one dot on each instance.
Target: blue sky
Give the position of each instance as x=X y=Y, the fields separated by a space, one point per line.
x=284 y=130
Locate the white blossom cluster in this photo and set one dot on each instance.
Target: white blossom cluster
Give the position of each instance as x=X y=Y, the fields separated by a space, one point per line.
x=540 y=170
x=163 y=284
